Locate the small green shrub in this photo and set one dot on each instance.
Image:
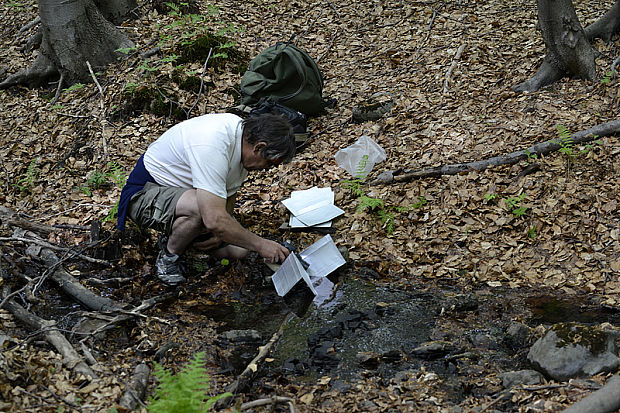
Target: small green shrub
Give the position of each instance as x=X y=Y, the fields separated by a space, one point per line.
x=185 y=392
x=26 y=183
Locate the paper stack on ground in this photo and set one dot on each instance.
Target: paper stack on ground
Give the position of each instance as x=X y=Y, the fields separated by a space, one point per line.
x=323 y=258
x=312 y=207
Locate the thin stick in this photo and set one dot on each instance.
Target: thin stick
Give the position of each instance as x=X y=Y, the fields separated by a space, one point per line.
x=202 y=82
x=56 y=248
x=446 y=82
x=103 y=140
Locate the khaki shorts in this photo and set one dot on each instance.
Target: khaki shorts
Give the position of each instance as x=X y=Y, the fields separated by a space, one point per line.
x=154 y=206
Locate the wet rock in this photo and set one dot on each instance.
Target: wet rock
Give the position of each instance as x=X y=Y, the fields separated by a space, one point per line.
x=516 y=378
x=391 y=356
x=368 y=360
x=241 y=336
x=571 y=350
x=295 y=366
x=340 y=386
x=461 y=303
x=433 y=349
x=517 y=335
x=484 y=341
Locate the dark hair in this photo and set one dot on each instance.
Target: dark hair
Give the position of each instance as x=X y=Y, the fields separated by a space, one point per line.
x=275 y=131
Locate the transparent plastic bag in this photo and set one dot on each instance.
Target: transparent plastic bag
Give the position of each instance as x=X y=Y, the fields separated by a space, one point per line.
x=359 y=158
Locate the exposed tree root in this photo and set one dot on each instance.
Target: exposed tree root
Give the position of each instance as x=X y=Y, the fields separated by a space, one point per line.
x=71 y=358
x=606 y=26
x=604 y=400
x=546 y=75
x=542 y=148
x=41 y=70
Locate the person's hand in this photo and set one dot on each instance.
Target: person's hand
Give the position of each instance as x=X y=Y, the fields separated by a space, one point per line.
x=272 y=252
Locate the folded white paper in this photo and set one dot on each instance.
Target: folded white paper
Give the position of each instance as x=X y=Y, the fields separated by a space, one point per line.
x=312 y=207
x=323 y=258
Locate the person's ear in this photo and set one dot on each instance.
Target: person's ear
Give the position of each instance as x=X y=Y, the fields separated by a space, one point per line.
x=258 y=147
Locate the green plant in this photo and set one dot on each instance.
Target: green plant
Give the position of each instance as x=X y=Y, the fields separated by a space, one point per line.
x=490 y=197
x=514 y=204
x=608 y=76
x=566 y=142
x=185 y=392
x=130 y=87
x=25 y=183
x=531 y=233
x=75 y=86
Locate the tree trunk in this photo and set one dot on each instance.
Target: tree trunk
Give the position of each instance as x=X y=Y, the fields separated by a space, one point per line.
x=606 y=26
x=73 y=32
x=568 y=51
x=116 y=11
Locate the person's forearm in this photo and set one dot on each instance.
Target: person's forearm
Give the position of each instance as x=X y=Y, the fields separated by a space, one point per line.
x=229 y=230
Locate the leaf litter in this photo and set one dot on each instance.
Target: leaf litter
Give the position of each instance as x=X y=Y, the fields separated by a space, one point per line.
x=466 y=237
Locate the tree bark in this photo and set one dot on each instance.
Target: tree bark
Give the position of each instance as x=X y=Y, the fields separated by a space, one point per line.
x=606 y=26
x=73 y=32
x=568 y=52
x=116 y=11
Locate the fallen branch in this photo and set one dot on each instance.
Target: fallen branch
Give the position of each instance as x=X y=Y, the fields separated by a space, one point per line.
x=136 y=388
x=272 y=401
x=606 y=399
x=10 y=218
x=542 y=148
x=245 y=378
x=71 y=358
x=42 y=243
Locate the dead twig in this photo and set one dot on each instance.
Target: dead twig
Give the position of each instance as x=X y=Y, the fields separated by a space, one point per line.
x=270 y=401
x=102 y=108
x=202 y=82
x=542 y=148
x=457 y=56
x=69 y=251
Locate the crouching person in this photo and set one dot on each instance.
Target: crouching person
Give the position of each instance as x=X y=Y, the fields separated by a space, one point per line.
x=184 y=186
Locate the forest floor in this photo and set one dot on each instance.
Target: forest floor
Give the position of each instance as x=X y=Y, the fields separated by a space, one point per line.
x=512 y=244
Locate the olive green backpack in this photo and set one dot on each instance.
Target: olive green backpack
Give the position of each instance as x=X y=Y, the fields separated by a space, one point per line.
x=287 y=75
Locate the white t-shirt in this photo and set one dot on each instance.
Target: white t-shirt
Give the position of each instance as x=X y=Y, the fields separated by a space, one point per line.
x=203 y=153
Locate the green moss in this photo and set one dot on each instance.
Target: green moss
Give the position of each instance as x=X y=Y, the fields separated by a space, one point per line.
x=197 y=50
x=148 y=99
x=589 y=337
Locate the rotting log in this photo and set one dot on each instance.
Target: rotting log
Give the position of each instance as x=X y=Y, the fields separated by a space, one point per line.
x=604 y=400
x=541 y=148
x=136 y=389
x=71 y=358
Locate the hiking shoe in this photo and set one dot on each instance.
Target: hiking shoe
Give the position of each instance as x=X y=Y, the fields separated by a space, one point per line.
x=169 y=269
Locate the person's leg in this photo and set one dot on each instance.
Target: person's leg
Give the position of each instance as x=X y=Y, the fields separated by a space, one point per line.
x=188 y=225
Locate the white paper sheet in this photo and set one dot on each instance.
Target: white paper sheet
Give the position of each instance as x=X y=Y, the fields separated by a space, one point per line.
x=323 y=257
x=312 y=207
